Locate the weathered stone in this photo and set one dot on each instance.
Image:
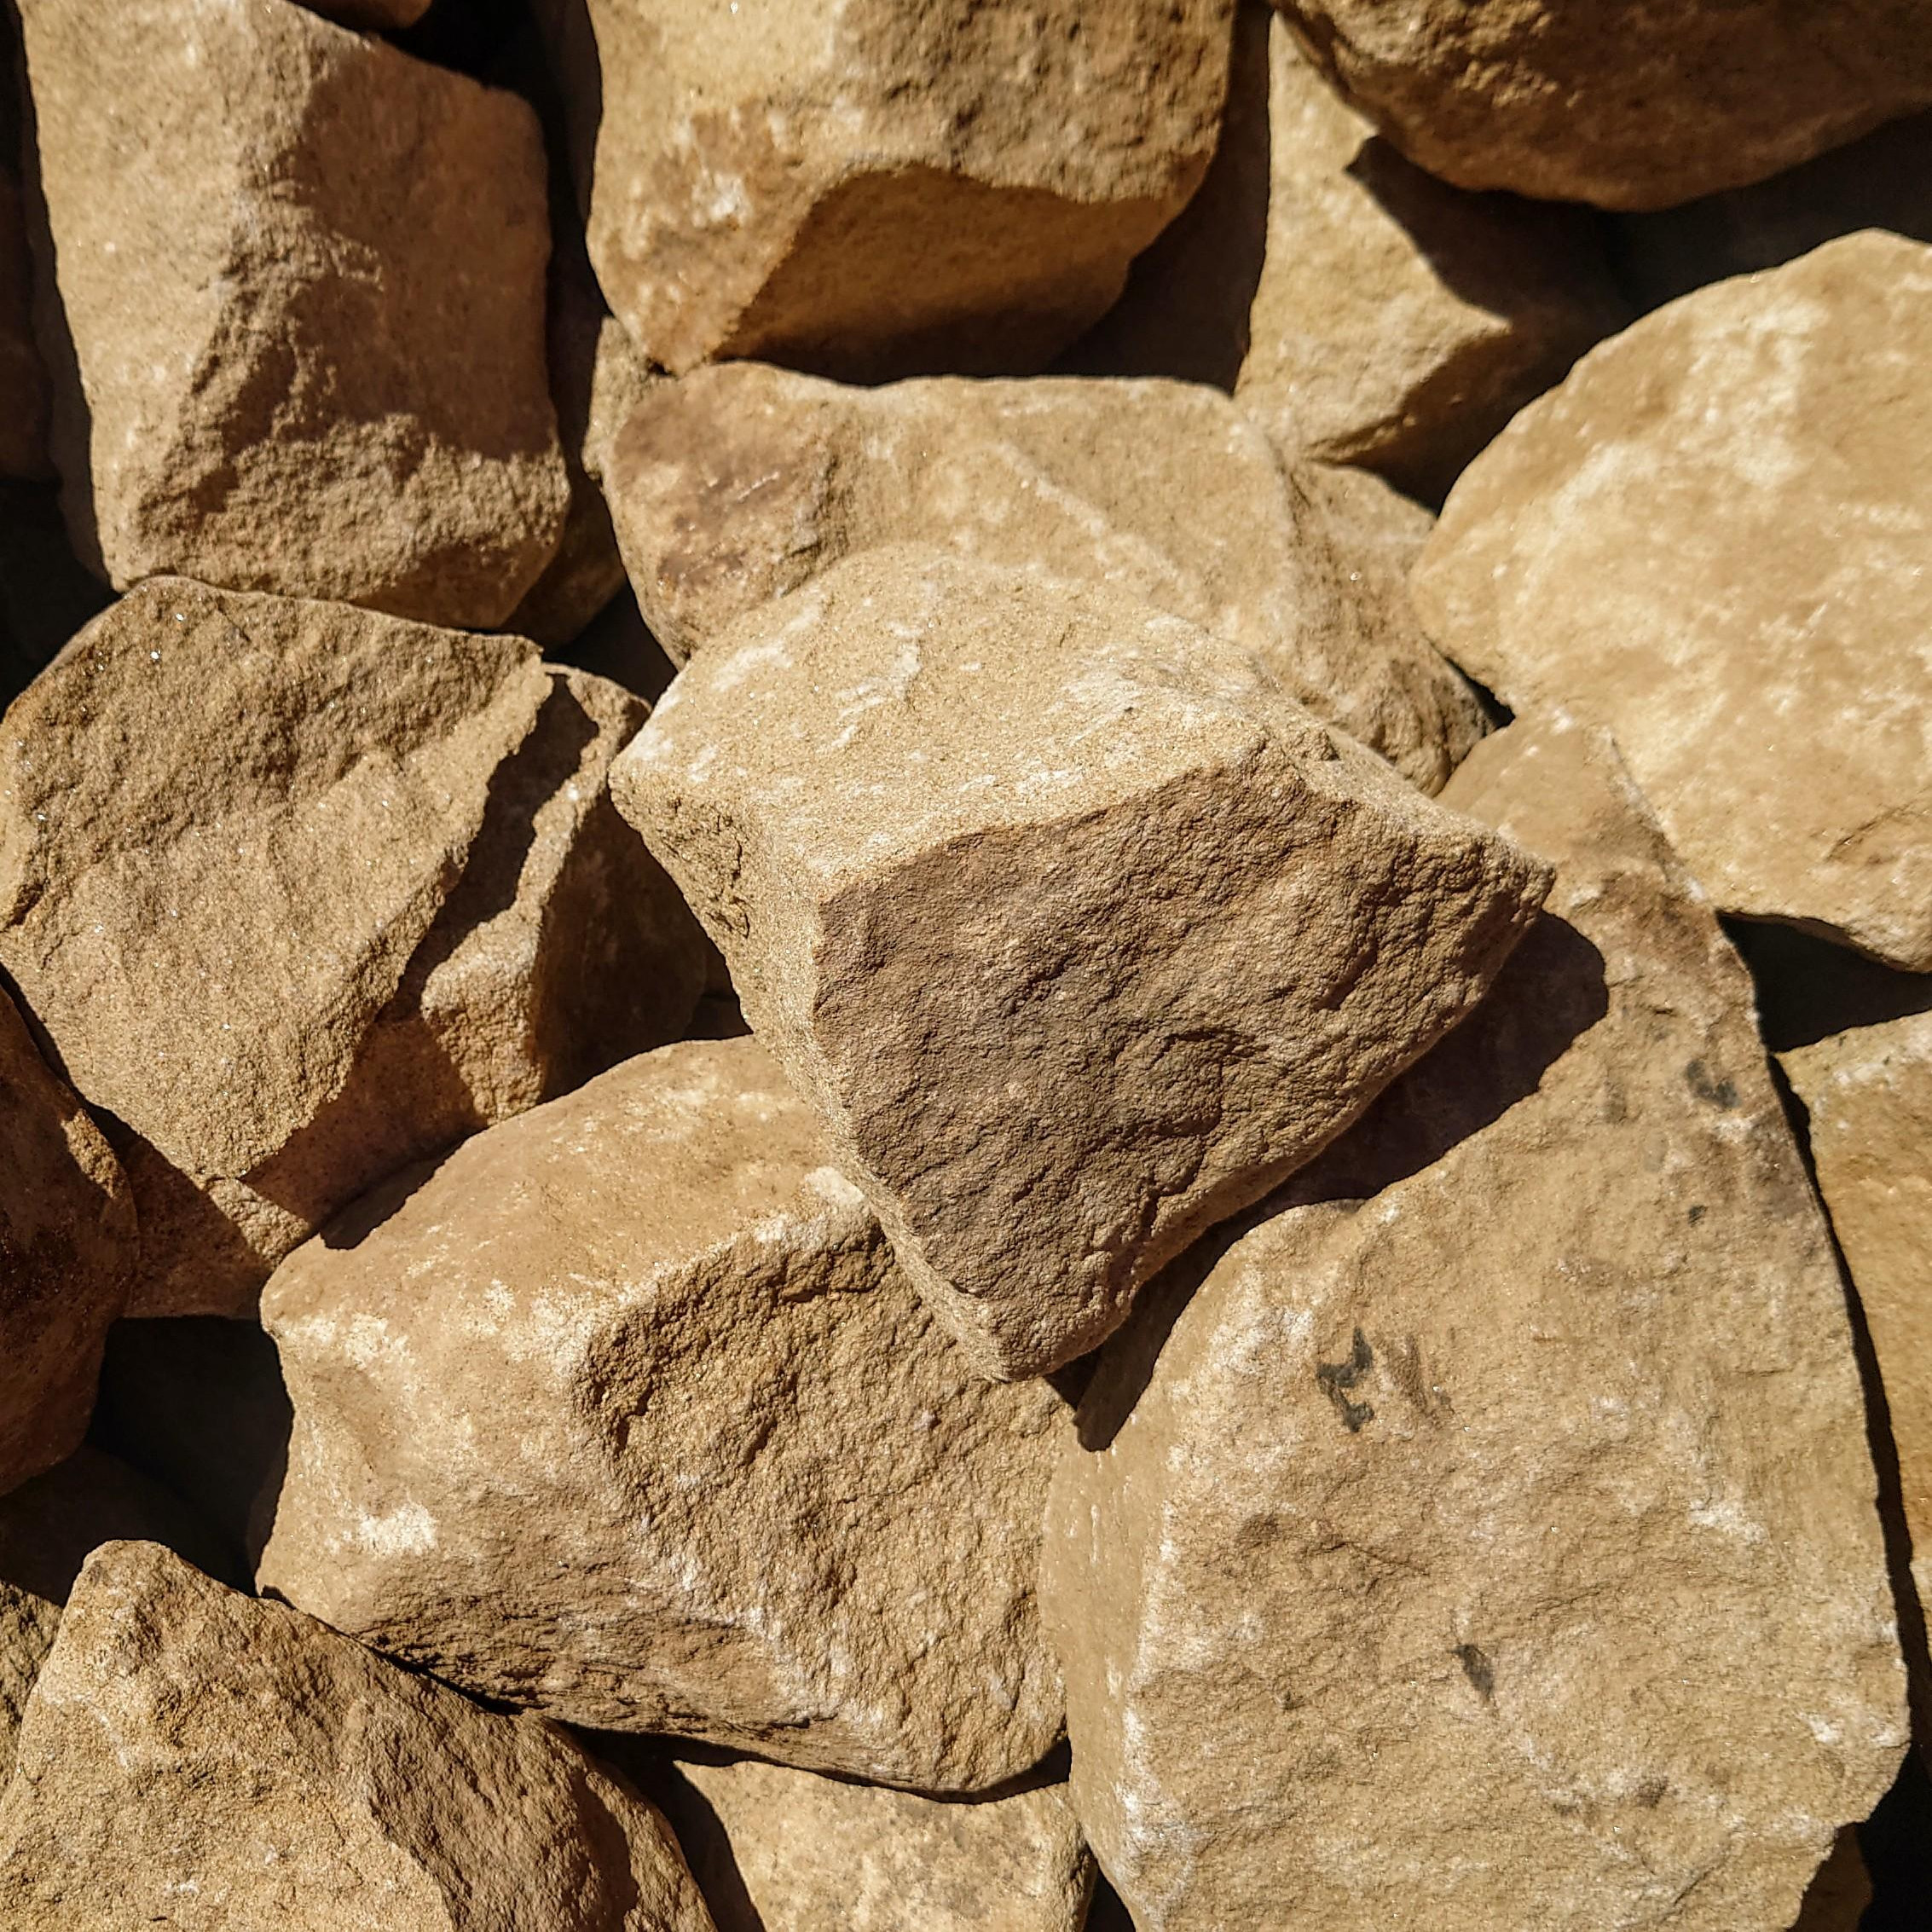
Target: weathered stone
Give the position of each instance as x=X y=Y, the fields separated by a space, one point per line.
x=1628 y=104
x=1712 y=539
x=1869 y=1094
x=1079 y=933
x=193 y=1757
x=333 y=384
x=1490 y=1541
x=624 y=1415
x=875 y=189
x=735 y=484
x=1400 y=322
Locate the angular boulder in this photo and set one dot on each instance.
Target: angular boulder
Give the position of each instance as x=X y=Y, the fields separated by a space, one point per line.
x=1485 y=1536
x=1080 y=934
x=333 y=384
x=1711 y=540
x=737 y=484
x=624 y=1415
x=194 y=1758
x=880 y=189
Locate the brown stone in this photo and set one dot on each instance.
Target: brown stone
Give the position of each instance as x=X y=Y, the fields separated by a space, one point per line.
x=332 y=384
x=875 y=190
x=624 y=1415
x=1080 y=934
x=1624 y=103
x=735 y=484
x=194 y=1758
x=1490 y=1539
x=1711 y=540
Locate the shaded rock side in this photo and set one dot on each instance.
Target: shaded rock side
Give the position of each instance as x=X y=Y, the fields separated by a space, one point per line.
x=735 y=484
x=1078 y=934
x=1766 y=664
x=370 y=16
x=871 y=189
x=624 y=1415
x=1489 y=1540
x=333 y=384
x=193 y=1757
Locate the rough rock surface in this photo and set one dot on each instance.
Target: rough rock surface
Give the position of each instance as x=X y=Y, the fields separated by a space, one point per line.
x=194 y=1758
x=735 y=484
x=1080 y=934
x=1492 y=1541
x=1625 y=103
x=870 y=190
x=333 y=384
x=624 y=1415
x=1766 y=667
x=1869 y=1094
x=1400 y=322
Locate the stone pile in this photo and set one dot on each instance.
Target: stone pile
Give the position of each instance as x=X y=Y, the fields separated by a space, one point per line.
x=965 y=966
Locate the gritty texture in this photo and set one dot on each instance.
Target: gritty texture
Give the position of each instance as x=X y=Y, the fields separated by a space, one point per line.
x=191 y=1757
x=1492 y=1540
x=1714 y=539
x=1625 y=103
x=737 y=484
x=1077 y=930
x=624 y=1415
x=299 y=323
x=868 y=189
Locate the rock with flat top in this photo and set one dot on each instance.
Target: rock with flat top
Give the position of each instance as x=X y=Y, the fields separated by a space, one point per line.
x=194 y=1758
x=624 y=1415
x=1712 y=539
x=1079 y=933
x=1485 y=1536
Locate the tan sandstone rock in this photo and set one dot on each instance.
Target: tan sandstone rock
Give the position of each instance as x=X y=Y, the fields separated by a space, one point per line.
x=868 y=189
x=737 y=484
x=1624 y=103
x=194 y=1758
x=1491 y=1540
x=624 y=1415
x=1713 y=539
x=330 y=380
x=1079 y=933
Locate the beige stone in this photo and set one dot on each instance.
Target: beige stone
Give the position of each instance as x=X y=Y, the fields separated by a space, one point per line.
x=873 y=189
x=1080 y=934
x=1491 y=1540
x=624 y=1415
x=1624 y=103
x=737 y=484
x=1711 y=540
x=1869 y=1095
x=194 y=1758
x=331 y=383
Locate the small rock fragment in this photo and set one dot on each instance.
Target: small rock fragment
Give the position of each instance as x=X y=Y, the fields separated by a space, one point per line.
x=333 y=384
x=1490 y=1540
x=1079 y=933
x=875 y=189
x=1712 y=539
x=196 y=1758
x=624 y=1415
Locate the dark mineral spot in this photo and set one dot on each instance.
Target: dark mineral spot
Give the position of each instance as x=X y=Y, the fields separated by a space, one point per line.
x=1478 y=1669
x=1718 y=1093
x=1337 y=1377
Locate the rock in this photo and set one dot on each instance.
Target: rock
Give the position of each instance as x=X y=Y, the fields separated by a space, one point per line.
x=1841 y=1891
x=333 y=383
x=624 y=1415
x=1869 y=1094
x=1489 y=1541
x=1077 y=931
x=1400 y=322
x=1765 y=669
x=66 y=1251
x=194 y=1757
x=879 y=190
x=735 y=484
x=1627 y=105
